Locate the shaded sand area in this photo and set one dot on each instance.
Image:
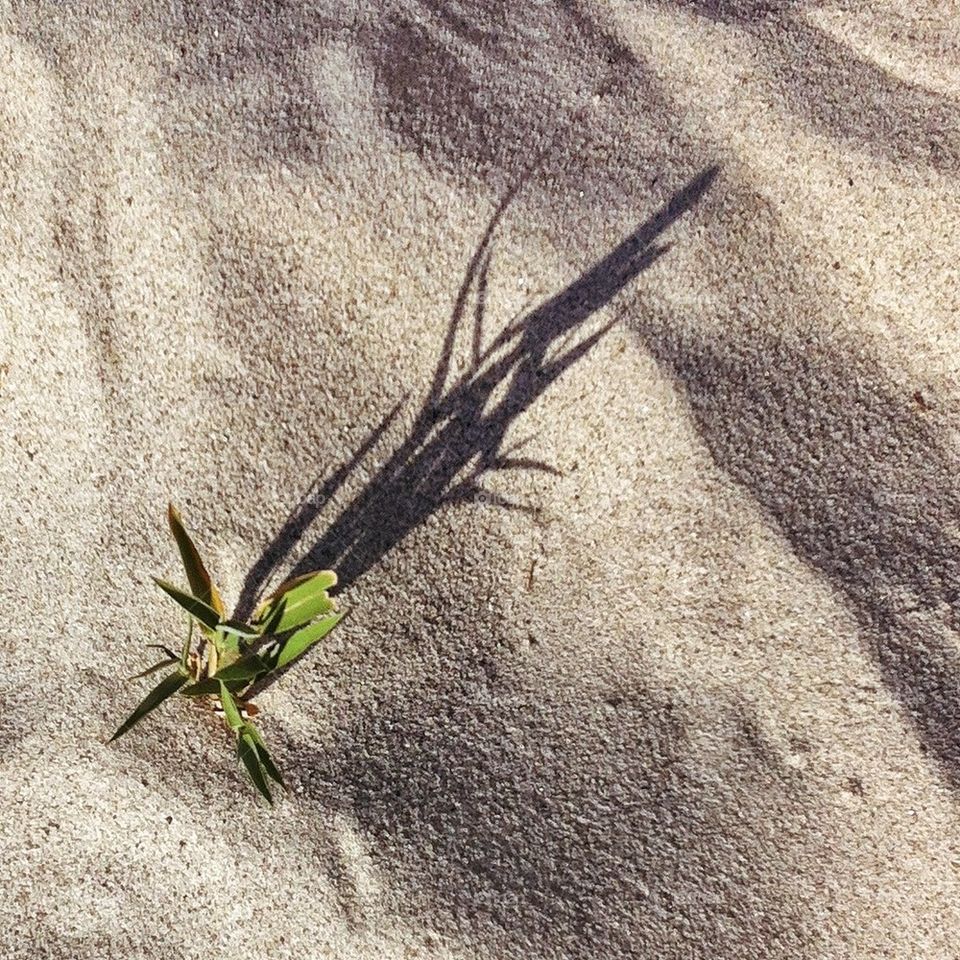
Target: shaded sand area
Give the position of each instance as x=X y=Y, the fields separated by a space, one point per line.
x=609 y=352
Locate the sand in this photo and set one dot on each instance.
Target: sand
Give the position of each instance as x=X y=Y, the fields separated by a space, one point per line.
x=609 y=352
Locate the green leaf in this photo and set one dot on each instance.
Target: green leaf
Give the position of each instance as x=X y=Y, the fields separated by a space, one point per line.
x=202 y=688
x=247 y=752
x=296 y=602
x=210 y=685
x=203 y=612
x=268 y=764
x=226 y=644
x=231 y=641
x=200 y=583
x=248 y=667
x=238 y=628
x=236 y=676
x=231 y=712
x=185 y=653
x=153 y=669
x=167 y=687
x=301 y=640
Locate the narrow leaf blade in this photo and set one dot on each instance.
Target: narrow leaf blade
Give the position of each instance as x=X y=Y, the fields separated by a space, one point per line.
x=201 y=611
x=238 y=628
x=231 y=712
x=167 y=687
x=164 y=648
x=185 y=652
x=200 y=583
x=247 y=751
x=153 y=669
x=261 y=748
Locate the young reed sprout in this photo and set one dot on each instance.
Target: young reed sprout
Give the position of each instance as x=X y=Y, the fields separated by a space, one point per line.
x=222 y=658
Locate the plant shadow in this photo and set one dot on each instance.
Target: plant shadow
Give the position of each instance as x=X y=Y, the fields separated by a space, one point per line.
x=535 y=819
x=458 y=436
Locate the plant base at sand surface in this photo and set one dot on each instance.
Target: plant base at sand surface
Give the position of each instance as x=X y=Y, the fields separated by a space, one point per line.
x=229 y=656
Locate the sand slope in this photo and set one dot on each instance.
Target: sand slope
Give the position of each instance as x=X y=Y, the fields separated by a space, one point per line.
x=609 y=353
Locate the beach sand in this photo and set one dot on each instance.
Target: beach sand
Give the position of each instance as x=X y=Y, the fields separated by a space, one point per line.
x=609 y=353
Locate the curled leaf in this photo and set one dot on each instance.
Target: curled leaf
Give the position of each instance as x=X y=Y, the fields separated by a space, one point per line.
x=296 y=602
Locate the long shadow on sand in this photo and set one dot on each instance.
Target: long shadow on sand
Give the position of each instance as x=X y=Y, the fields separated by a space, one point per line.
x=515 y=816
x=512 y=815
x=458 y=435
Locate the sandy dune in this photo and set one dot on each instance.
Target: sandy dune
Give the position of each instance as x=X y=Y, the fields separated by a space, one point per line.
x=610 y=354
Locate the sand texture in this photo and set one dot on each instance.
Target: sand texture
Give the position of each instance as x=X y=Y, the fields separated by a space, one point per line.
x=609 y=352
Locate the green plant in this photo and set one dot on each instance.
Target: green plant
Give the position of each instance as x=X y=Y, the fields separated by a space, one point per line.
x=230 y=655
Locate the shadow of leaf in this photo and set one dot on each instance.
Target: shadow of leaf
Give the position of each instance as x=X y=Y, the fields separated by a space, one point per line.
x=457 y=437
